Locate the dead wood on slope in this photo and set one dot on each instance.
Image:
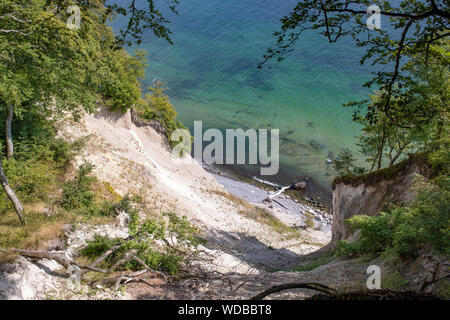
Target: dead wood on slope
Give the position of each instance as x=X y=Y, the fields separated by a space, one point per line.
x=66 y=262
x=298 y=285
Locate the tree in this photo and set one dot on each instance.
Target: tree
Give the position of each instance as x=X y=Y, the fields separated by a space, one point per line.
x=156 y=106
x=411 y=94
x=345 y=164
x=44 y=61
x=420 y=23
x=422 y=107
x=396 y=140
x=47 y=66
x=43 y=64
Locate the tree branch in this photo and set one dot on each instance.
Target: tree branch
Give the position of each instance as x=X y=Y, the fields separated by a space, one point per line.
x=58 y=257
x=433 y=12
x=301 y=285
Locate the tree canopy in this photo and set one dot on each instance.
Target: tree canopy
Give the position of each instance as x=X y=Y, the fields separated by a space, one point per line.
x=416 y=25
x=411 y=53
x=49 y=67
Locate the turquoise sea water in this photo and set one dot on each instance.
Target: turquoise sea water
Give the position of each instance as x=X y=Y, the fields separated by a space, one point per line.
x=212 y=75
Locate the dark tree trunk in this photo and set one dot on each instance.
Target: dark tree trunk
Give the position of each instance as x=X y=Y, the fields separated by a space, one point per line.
x=8 y=134
x=11 y=195
x=381 y=147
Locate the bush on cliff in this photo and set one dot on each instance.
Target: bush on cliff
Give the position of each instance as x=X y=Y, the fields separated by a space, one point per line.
x=149 y=241
x=156 y=106
x=404 y=230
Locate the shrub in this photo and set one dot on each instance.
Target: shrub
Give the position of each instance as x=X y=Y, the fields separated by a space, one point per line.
x=146 y=239
x=345 y=164
x=403 y=230
x=157 y=106
x=39 y=159
x=120 y=86
x=112 y=209
x=32 y=179
x=183 y=230
x=77 y=194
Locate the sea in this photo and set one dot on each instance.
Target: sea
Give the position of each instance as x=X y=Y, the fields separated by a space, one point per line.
x=212 y=76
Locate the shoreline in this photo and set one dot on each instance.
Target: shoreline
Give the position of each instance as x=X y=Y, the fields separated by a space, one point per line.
x=302 y=197
x=314 y=194
x=290 y=207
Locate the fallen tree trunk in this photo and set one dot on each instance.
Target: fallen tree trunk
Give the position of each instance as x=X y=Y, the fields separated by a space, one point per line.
x=66 y=262
x=272 y=196
x=61 y=258
x=11 y=195
x=279 y=192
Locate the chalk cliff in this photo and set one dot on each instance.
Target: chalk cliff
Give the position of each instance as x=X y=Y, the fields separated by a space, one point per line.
x=368 y=194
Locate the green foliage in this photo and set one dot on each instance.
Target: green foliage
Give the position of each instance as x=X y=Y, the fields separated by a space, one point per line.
x=420 y=160
x=31 y=179
x=77 y=193
x=409 y=111
x=38 y=161
x=97 y=246
x=394 y=281
x=183 y=230
x=157 y=106
x=345 y=249
x=48 y=71
x=345 y=164
x=121 y=87
x=64 y=151
x=404 y=230
x=396 y=142
x=45 y=65
x=418 y=112
x=112 y=209
x=144 y=240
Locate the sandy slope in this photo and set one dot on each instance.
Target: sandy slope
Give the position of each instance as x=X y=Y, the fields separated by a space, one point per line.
x=136 y=160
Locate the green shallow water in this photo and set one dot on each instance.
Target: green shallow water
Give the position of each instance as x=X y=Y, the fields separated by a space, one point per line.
x=212 y=75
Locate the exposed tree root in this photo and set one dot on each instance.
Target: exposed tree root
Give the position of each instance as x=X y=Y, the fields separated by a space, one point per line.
x=434 y=275
x=300 y=285
x=382 y=294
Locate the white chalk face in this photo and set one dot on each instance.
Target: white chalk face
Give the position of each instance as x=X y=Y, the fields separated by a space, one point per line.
x=248 y=147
